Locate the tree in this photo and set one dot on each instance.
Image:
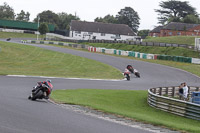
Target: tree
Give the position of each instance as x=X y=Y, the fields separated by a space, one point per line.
x=7 y=12
x=48 y=17
x=22 y=16
x=107 y=19
x=174 y=11
x=43 y=28
x=191 y=19
x=130 y=17
x=143 y=33
x=65 y=20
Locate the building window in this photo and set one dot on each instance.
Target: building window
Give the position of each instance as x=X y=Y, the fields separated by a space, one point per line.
x=178 y=33
x=154 y=35
x=78 y=32
x=170 y=33
x=90 y=33
x=117 y=35
x=103 y=34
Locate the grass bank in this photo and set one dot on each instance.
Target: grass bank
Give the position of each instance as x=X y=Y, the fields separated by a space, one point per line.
x=128 y=103
x=190 y=40
x=174 y=51
x=28 y=60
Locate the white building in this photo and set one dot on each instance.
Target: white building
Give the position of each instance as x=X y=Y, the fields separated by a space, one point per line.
x=83 y=30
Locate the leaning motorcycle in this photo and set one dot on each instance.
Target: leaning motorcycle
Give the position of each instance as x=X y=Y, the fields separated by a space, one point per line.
x=38 y=92
x=134 y=71
x=137 y=74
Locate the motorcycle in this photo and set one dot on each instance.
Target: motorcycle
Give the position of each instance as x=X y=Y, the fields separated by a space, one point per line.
x=8 y=39
x=137 y=74
x=127 y=75
x=38 y=92
x=134 y=71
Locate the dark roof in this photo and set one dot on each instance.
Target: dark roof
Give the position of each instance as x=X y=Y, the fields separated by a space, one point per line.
x=179 y=26
x=100 y=27
x=157 y=29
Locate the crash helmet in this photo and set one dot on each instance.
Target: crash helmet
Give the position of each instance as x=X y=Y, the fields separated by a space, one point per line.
x=48 y=80
x=129 y=67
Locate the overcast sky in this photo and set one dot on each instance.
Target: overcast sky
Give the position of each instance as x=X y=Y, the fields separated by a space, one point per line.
x=88 y=10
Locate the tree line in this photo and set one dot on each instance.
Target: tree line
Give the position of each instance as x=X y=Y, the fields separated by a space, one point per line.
x=170 y=11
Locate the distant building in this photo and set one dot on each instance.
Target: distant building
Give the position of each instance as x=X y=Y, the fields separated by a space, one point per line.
x=156 y=31
x=100 y=31
x=176 y=29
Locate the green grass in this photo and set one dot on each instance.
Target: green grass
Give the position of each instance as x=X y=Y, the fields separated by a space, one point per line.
x=190 y=40
x=174 y=51
x=128 y=103
x=17 y=35
x=28 y=60
x=189 y=67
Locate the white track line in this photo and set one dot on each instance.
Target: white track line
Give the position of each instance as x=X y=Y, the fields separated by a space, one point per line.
x=29 y=76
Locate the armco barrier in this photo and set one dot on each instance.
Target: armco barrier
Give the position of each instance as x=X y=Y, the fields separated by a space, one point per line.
x=195 y=61
x=124 y=53
x=150 y=56
x=119 y=52
x=115 y=51
x=144 y=56
x=175 y=58
x=165 y=98
x=109 y=51
x=60 y=44
x=131 y=53
x=99 y=50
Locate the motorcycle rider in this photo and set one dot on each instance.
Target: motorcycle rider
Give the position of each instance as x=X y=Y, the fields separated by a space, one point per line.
x=130 y=68
x=127 y=72
x=46 y=84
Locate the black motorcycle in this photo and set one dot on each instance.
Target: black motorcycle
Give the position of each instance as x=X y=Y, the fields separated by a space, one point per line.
x=8 y=39
x=137 y=74
x=38 y=92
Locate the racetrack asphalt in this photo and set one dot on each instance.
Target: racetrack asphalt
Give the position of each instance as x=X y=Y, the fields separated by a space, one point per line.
x=19 y=115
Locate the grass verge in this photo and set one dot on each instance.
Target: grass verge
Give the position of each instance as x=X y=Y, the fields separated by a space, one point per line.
x=173 y=39
x=128 y=103
x=28 y=60
x=174 y=51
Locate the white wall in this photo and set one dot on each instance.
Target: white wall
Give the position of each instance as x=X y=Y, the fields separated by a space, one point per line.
x=86 y=36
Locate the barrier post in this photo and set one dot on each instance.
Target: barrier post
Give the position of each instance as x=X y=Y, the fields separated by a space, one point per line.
x=173 y=91
x=160 y=93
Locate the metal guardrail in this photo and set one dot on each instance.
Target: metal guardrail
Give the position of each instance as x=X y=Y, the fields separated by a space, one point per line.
x=165 y=98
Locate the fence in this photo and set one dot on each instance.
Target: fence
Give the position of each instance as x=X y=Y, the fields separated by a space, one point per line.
x=144 y=43
x=165 y=98
x=129 y=42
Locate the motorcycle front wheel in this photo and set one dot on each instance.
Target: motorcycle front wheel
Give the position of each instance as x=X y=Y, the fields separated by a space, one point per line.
x=38 y=95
